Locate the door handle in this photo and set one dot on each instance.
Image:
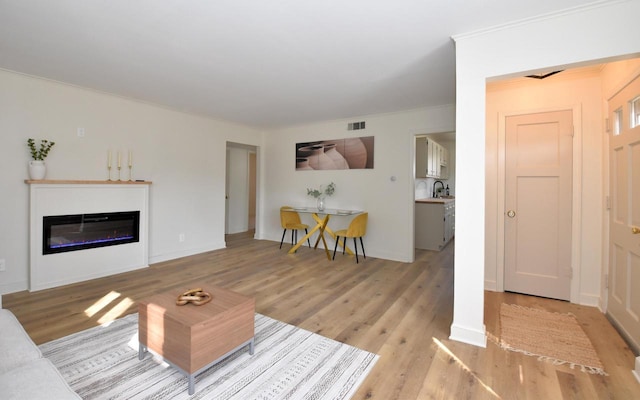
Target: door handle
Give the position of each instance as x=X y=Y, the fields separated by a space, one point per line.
x=511 y=213
x=635 y=230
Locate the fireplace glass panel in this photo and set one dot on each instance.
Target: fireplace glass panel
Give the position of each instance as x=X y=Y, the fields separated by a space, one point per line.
x=62 y=233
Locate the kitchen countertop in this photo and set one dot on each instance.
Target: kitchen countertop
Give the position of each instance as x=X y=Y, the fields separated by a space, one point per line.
x=439 y=200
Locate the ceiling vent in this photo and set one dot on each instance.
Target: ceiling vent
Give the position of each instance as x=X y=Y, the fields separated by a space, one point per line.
x=355 y=126
x=542 y=76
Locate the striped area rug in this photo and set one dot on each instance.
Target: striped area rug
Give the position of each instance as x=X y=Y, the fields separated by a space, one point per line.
x=288 y=363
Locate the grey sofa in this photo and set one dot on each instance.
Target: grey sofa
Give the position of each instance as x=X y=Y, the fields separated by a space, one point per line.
x=24 y=372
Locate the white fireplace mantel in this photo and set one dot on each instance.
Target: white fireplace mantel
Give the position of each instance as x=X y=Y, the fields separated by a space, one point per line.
x=65 y=197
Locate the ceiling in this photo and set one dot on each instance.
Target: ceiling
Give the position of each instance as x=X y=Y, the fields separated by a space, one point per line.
x=260 y=63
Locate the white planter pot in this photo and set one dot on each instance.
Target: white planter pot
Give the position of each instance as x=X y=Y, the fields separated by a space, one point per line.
x=37 y=170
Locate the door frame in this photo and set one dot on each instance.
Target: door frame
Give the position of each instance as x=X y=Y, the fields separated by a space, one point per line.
x=576 y=190
x=248 y=148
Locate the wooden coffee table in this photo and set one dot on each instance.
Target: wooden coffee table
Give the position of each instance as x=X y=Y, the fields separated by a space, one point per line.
x=192 y=338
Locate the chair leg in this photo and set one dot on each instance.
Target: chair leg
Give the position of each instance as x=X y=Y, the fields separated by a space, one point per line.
x=282 y=240
x=293 y=231
x=355 y=245
x=306 y=232
x=361 y=244
x=336 y=247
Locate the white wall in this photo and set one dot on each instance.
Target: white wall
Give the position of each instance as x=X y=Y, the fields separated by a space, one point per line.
x=593 y=33
x=183 y=154
x=389 y=203
x=617 y=74
x=581 y=89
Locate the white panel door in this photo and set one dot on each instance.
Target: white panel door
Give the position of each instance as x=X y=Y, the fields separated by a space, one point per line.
x=538 y=165
x=624 y=220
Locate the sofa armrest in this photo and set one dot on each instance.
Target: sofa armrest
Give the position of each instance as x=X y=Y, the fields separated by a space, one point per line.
x=38 y=379
x=16 y=347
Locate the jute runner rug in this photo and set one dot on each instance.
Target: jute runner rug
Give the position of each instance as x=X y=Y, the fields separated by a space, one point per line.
x=288 y=363
x=553 y=337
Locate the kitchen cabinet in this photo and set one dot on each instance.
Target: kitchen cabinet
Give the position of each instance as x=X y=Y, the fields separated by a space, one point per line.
x=433 y=162
x=431 y=159
x=434 y=223
x=421 y=157
x=443 y=156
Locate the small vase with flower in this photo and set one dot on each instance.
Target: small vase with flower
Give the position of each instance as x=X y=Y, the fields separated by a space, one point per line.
x=37 y=167
x=321 y=193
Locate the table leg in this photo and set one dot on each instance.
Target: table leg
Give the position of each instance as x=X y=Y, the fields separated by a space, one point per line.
x=321 y=225
x=192 y=385
x=141 y=351
x=342 y=243
x=324 y=242
x=304 y=239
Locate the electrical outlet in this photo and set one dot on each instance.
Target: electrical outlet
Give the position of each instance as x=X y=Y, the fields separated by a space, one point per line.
x=80 y=132
x=3 y=265
x=181 y=237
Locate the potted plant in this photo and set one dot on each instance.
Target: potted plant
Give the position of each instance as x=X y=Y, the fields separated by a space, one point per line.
x=320 y=194
x=37 y=167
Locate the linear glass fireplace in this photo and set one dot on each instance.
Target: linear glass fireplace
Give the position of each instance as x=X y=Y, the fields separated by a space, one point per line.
x=62 y=233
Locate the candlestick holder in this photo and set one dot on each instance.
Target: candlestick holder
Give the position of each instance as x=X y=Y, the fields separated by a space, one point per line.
x=109 y=169
x=130 y=167
x=119 y=174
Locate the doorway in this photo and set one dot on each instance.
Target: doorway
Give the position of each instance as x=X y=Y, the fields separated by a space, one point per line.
x=241 y=188
x=538 y=204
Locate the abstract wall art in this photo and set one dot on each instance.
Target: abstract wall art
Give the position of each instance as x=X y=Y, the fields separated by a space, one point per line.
x=349 y=153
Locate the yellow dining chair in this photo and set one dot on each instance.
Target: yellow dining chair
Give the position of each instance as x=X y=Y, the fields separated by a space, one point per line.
x=357 y=229
x=291 y=220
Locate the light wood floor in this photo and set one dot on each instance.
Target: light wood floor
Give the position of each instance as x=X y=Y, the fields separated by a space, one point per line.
x=400 y=311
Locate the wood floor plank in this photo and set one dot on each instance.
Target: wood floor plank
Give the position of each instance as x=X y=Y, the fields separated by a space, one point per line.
x=400 y=311
x=576 y=386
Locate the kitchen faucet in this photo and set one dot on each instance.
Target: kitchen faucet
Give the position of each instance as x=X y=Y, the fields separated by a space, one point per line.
x=434 y=188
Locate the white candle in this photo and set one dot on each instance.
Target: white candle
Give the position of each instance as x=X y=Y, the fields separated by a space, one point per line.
x=119 y=159
x=130 y=159
x=109 y=159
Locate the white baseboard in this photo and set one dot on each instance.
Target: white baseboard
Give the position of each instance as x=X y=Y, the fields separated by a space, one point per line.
x=470 y=336
x=589 y=300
